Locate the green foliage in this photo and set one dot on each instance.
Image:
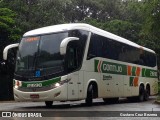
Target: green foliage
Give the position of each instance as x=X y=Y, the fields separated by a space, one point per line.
x=122 y=28
x=135 y=20
x=9 y=33
x=150 y=36
x=8 y=30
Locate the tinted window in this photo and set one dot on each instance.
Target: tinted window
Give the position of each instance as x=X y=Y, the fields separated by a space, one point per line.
x=75 y=50
x=111 y=49
x=95 y=46
x=107 y=48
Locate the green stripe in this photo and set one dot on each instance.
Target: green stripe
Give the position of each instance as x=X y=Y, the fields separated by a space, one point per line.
x=143 y=72
x=131 y=81
x=114 y=68
x=96 y=65
x=44 y=83
x=149 y=73
x=133 y=71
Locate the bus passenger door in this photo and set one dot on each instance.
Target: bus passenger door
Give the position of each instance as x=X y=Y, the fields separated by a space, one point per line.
x=73 y=86
x=72 y=66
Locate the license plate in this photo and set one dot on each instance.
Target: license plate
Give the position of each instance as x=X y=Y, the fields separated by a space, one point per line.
x=34 y=96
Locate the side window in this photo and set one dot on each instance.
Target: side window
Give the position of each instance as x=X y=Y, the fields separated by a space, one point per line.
x=80 y=44
x=111 y=49
x=107 y=48
x=72 y=57
x=75 y=50
x=149 y=59
x=95 y=47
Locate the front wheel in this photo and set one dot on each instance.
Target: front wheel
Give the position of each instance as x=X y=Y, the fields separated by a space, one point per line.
x=48 y=103
x=89 y=99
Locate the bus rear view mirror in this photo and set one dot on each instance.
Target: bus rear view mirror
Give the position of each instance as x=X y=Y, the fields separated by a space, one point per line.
x=64 y=43
x=6 y=49
x=4 y=64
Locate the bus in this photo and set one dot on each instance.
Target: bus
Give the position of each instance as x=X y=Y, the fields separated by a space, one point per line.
x=77 y=61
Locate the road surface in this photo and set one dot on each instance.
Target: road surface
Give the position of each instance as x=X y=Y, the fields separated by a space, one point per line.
x=78 y=110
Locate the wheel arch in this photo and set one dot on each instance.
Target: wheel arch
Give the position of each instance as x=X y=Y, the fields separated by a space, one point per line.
x=95 y=87
x=142 y=84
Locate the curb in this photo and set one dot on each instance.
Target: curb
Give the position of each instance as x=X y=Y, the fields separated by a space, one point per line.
x=12 y=101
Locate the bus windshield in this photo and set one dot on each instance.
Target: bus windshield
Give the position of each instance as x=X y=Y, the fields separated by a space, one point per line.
x=40 y=53
x=39 y=56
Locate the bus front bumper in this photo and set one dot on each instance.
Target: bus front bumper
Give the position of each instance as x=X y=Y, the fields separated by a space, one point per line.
x=56 y=94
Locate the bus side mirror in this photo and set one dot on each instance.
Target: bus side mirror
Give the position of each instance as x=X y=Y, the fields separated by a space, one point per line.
x=6 y=49
x=4 y=62
x=64 y=43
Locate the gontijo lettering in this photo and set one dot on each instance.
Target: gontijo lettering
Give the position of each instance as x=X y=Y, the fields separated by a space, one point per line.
x=108 y=67
x=113 y=68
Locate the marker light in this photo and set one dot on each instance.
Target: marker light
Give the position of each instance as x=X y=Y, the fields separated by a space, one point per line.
x=18 y=84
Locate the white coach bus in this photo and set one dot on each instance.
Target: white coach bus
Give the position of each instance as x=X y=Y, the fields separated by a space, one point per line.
x=78 y=61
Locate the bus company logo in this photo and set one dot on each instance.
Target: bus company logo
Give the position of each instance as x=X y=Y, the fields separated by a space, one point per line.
x=113 y=68
x=106 y=67
x=34 y=85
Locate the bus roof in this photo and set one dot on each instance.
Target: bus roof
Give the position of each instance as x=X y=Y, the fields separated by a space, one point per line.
x=83 y=26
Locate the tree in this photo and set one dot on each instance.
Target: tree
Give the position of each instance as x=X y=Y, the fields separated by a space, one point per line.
x=9 y=32
x=151 y=27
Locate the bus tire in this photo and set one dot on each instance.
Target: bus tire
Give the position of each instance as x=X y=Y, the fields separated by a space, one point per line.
x=141 y=94
x=89 y=99
x=146 y=94
x=48 y=103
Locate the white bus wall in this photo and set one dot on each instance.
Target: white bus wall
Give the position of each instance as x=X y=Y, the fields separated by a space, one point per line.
x=118 y=85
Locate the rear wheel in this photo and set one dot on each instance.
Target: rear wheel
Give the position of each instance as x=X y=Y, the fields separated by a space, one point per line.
x=141 y=94
x=48 y=103
x=146 y=94
x=89 y=99
x=140 y=97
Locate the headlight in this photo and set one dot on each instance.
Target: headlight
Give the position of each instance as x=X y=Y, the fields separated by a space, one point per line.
x=58 y=84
